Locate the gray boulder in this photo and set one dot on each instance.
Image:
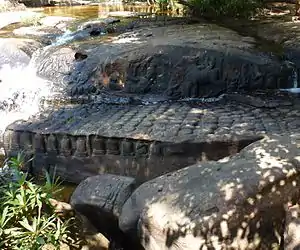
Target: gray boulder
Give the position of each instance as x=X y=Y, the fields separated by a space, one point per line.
x=197 y=62
x=100 y=199
x=230 y=204
x=55 y=64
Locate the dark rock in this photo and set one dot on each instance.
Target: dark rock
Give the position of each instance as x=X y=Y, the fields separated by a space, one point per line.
x=176 y=67
x=96 y=32
x=100 y=199
x=111 y=30
x=80 y=56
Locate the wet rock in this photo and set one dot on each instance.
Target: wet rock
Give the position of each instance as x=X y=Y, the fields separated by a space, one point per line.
x=56 y=21
x=195 y=62
x=99 y=23
x=39 y=32
x=100 y=198
x=224 y=204
x=79 y=56
x=16 y=52
x=55 y=64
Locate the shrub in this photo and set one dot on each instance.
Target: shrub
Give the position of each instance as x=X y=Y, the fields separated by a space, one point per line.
x=231 y=8
x=31 y=20
x=28 y=220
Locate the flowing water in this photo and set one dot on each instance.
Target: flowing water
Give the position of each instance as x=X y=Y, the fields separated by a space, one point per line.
x=21 y=92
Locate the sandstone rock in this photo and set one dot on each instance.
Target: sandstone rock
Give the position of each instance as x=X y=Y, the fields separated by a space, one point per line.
x=55 y=64
x=197 y=62
x=94 y=239
x=38 y=31
x=292 y=228
x=55 y=21
x=233 y=204
x=100 y=199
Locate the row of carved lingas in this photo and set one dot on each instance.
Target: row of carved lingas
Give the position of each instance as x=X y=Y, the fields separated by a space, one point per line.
x=78 y=146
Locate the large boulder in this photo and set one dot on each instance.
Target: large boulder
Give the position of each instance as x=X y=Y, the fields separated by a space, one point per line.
x=100 y=199
x=55 y=64
x=229 y=204
x=200 y=61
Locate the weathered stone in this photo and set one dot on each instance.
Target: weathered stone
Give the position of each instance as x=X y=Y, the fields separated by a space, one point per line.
x=292 y=227
x=223 y=204
x=175 y=65
x=55 y=64
x=81 y=147
x=100 y=198
x=99 y=144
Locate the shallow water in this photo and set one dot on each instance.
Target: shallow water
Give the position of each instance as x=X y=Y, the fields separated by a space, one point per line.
x=103 y=10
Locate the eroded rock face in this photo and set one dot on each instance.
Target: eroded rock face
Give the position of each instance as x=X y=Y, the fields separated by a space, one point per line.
x=55 y=64
x=190 y=64
x=100 y=198
x=232 y=204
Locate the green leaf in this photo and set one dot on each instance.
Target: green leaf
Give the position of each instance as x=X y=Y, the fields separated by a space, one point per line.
x=40 y=240
x=4 y=217
x=26 y=225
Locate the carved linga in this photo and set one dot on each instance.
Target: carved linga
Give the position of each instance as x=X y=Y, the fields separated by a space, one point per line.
x=76 y=146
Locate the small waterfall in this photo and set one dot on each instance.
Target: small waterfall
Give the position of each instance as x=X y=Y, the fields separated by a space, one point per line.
x=294 y=77
x=64 y=38
x=20 y=95
x=22 y=90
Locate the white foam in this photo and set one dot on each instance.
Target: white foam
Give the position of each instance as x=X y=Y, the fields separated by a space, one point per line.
x=21 y=93
x=292 y=90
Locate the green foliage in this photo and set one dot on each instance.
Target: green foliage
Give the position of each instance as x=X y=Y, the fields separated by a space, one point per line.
x=231 y=8
x=27 y=218
x=32 y=20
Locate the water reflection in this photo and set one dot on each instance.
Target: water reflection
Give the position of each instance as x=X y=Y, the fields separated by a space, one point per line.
x=103 y=10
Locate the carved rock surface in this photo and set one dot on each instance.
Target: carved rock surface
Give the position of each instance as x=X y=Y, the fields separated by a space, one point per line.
x=199 y=61
x=100 y=198
x=55 y=64
x=143 y=141
x=233 y=204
